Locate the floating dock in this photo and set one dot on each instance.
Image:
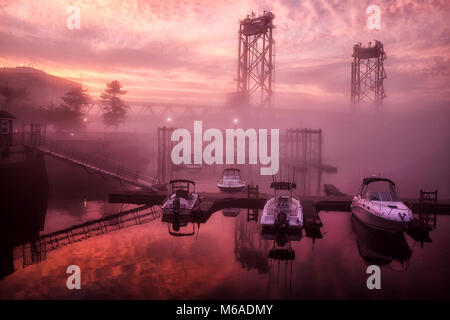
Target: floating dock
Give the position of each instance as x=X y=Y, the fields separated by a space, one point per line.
x=312 y=205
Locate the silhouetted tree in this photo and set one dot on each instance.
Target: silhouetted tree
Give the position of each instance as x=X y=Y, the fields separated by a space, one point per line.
x=12 y=96
x=114 y=109
x=70 y=114
x=76 y=98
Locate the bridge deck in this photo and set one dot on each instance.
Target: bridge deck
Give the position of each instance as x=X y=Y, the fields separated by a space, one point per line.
x=118 y=173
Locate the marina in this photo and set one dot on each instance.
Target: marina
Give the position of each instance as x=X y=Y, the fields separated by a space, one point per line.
x=218 y=151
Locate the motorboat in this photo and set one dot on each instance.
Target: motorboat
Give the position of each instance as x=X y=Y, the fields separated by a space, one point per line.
x=231 y=181
x=282 y=211
x=378 y=206
x=182 y=199
x=193 y=166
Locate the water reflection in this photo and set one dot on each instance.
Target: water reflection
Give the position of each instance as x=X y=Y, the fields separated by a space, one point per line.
x=231 y=212
x=232 y=258
x=381 y=248
x=249 y=250
x=280 y=256
x=24 y=195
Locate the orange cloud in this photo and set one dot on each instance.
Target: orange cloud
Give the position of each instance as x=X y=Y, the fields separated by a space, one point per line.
x=187 y=49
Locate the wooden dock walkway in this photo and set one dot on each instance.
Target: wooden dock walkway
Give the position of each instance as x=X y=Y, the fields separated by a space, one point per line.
x=214 y=202
x=424 y=222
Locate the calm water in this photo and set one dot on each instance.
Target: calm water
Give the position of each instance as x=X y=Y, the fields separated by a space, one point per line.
x=228 y=258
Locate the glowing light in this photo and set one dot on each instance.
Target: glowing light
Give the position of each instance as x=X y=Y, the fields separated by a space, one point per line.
x=85 y=119
x=169 y=119
x=235 y=120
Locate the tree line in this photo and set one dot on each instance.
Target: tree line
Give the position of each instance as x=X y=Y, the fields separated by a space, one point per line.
x=72 y=111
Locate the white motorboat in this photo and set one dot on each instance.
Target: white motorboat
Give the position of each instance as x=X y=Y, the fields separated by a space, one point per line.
x=282 y=211
x=193 y=166
x=182 y=199
x=231 y=181
x=378 y=206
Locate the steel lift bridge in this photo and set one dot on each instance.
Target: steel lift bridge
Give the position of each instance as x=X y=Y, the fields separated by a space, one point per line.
x=255 y=72
x=368 y=74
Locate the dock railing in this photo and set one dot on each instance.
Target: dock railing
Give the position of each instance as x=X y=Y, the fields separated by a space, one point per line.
x=101 y=165
x=35 y=137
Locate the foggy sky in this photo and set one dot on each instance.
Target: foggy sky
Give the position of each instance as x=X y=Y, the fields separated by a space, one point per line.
x=187 y=50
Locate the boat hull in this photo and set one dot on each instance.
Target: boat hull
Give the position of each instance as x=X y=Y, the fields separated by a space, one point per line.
x=231 y=212
x=231 y=189
x=377 y=222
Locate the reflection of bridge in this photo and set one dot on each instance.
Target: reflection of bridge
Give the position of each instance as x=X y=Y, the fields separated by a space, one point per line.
x=250 y=255
x=36 y=251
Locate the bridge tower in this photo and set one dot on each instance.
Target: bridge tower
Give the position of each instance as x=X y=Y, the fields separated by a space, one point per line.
x=368 y=74
x=255 y=59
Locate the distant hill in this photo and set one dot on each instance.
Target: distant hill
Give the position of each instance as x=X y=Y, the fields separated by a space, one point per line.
x=44 y=89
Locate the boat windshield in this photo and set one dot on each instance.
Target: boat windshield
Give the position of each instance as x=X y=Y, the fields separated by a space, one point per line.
x=382 y=196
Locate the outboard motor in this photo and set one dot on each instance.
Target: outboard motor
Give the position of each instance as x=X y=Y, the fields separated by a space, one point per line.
x=176 y=206
x=281 y=220
x=176 y=211
x=283 y=212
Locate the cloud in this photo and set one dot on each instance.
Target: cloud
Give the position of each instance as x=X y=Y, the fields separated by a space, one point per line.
x=195 y=42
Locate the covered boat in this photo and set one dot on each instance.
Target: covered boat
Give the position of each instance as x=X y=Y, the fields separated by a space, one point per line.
x=378 y=206
x=231 y=181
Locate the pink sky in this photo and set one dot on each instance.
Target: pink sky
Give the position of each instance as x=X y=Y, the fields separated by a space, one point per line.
x=187 y=49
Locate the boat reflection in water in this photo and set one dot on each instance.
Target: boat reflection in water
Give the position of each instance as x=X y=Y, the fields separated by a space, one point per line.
x=231 y=212
x=178 y=224
x=281 y=249
x=280 y=258
x=178 y=208
x=381 y=248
